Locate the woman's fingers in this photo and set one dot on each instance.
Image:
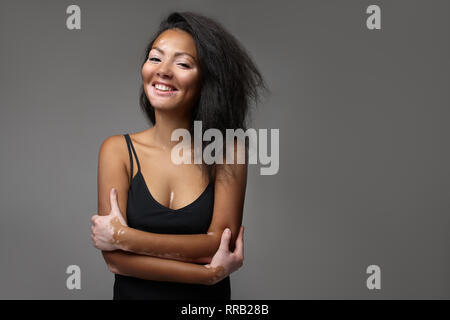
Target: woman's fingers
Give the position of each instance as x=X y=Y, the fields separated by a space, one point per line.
x=239 y=249
x=115 y=210
x=113 y=201
x=225 y=240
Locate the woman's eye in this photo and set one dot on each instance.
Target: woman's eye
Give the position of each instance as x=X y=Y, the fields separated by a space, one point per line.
x=154 y=59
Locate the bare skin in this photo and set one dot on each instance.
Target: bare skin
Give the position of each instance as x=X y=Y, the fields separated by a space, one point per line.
x=167 y=257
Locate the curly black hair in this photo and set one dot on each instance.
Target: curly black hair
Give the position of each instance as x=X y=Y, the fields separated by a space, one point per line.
x=230 y=79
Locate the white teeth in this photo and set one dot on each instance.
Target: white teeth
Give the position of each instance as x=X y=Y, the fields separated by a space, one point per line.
x=162 y=87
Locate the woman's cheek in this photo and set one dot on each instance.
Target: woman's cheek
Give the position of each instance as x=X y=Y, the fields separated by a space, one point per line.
x=190 y=83
x=146 y=72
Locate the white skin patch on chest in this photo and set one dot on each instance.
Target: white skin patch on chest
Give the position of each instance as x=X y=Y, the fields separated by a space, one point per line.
x=171 y=200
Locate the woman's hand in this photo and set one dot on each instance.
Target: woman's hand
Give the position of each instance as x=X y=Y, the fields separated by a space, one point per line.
x=225 y=262
x=106 y=229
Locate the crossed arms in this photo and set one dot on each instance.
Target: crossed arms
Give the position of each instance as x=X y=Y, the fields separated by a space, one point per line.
x=166 y=257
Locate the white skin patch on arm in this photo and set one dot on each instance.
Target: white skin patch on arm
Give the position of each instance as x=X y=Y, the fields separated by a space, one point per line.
x=176 y=256
x=120 y=233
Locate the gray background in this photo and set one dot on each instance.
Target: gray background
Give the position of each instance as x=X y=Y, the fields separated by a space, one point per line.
x=364 y=159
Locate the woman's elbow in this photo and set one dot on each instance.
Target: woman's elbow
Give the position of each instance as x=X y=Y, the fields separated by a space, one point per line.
x=113 y=268
x=110 y=262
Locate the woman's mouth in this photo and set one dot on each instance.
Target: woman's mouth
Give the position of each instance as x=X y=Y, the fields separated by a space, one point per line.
x=162 y=90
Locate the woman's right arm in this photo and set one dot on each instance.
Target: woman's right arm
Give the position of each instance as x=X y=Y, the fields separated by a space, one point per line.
x=158 y=269
x=112 y=173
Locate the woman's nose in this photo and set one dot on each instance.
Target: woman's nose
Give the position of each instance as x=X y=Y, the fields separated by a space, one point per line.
x=164 y=71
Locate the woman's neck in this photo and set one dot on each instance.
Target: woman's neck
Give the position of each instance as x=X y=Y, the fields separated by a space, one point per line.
x=165 y=124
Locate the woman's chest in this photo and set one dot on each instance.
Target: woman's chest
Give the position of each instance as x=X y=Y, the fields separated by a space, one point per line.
x=145 y=213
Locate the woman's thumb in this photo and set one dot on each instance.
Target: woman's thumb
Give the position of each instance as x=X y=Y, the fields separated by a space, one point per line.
x=225 y=241
x=113 y=201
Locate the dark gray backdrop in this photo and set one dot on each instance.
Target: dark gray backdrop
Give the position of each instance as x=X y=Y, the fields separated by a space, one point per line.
x=364 y=159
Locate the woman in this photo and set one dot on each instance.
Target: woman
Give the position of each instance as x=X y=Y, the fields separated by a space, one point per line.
x=166 y=245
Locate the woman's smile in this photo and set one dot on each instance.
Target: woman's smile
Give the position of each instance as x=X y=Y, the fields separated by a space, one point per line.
x=162 y=91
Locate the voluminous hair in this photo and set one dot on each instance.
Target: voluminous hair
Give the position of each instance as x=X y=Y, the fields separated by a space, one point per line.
x=231 y=82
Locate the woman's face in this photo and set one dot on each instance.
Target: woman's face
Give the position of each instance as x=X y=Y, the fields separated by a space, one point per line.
x=171 y=74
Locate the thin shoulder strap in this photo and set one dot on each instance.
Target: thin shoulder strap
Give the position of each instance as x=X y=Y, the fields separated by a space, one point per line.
x=130 y=143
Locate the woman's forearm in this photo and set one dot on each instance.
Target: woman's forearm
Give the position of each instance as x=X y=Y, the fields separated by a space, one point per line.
x=157 y=269
x=198 y=248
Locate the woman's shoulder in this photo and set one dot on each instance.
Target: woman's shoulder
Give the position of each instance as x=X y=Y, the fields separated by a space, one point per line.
x=117 y=144
x=114 y=146
x=117 y=141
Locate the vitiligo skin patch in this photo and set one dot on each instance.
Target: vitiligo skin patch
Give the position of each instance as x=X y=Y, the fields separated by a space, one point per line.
x=197 y=248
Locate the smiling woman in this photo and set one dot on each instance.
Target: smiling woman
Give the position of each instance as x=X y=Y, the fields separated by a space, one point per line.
x=171 y=71
x=173 y=231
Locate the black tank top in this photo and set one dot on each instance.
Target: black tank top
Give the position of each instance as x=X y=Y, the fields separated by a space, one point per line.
x=146 y=214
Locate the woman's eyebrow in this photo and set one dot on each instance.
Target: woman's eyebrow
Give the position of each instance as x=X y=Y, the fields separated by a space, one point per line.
x=176 y=53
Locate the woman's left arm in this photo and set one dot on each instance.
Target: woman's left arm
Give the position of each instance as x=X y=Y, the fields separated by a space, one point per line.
x=230 y=185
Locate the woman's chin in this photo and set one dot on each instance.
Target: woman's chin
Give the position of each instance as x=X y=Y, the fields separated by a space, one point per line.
x=162 y=106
